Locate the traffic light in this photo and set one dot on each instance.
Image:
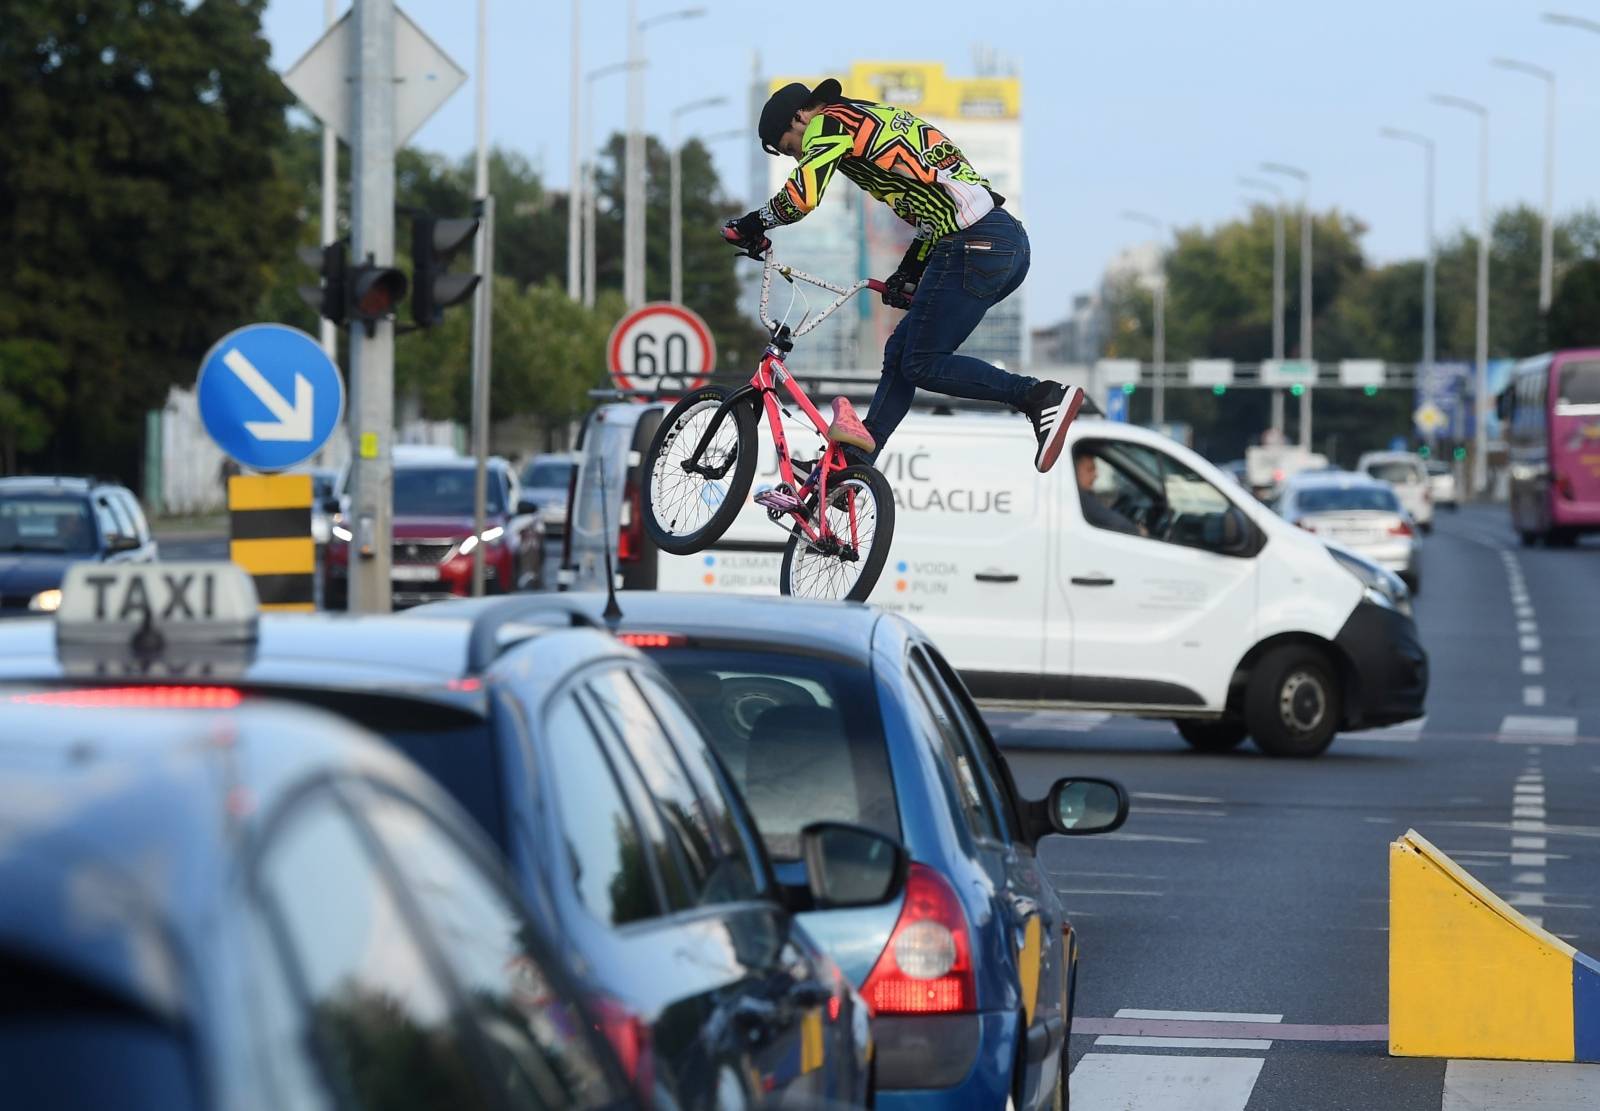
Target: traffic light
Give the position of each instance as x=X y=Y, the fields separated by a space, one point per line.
x=1219 y=390
x=374 y=291
x=1297 y=389
x=331 y=297
x=1370 y=391
x=1425 y=451
x=434 y=242
x=1460 y=453
x=1128 y=388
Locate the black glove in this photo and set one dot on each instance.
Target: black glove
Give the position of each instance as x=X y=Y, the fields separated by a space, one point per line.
x=748 y=234
x=901 y=286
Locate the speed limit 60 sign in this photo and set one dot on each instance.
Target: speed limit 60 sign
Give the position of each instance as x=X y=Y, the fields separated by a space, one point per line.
x=661 y=347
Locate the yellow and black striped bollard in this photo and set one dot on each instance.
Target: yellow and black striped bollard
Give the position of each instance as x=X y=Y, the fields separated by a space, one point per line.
x=269 y=529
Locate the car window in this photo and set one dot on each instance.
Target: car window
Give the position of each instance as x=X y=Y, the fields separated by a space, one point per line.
x=1158 y=496
x=1579 y=383
x=685 y=822
x=45 y=523
x=801 y=737
x=974 y=800
x=128 y=506
x=106 y=519
x=1398 y=471
x=381 y=1018
x=122 y=520
x=979 y=742
x=603 y=847
x=537 y=1036
x=1347 y=499
x=739 y=868
x=547 y=474
x=445 y=491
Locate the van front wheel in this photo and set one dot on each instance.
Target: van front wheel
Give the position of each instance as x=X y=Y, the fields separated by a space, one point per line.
x=1212 y=736
x=1292 y=705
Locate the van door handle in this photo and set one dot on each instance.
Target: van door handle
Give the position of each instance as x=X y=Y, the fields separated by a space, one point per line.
x=995 y=577
x=1091 y=580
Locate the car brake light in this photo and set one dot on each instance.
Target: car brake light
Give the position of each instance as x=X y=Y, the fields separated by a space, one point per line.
x=653 y=640
x=1400 y=529
x=630 y=1040
x=926 y=968
x=161 y=698
x=630 y=526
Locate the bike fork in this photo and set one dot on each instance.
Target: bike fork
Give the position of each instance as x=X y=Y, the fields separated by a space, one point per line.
x=693 y=462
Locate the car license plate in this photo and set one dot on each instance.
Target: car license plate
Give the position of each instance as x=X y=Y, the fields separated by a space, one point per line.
x=415 y=573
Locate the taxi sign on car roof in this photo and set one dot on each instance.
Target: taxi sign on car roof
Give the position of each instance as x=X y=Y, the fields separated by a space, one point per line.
x=181 y=617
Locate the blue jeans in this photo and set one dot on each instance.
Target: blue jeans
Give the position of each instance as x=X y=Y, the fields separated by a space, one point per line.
x=968 y=271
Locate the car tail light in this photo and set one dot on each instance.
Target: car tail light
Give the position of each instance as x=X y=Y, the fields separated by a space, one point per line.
x=653 y=640
x=630 y=525
x=1564 y=484
x=161 y=698
x=630 y=1040
x=1400 y=528
x=926 y=968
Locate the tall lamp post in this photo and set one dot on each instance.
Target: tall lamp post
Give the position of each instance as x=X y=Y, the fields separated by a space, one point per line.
x=1277 y=286
x=1480 y=402
x=676 y=159
x=633 y=255
x=1159 y=340
x=1304 y=179
x=1547 y=239
x=588 y=174
x=1428 y=289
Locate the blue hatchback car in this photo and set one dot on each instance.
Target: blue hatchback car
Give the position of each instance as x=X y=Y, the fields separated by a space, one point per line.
x=843 y=712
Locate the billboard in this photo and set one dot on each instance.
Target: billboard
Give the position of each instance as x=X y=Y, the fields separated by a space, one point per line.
x=851 y=236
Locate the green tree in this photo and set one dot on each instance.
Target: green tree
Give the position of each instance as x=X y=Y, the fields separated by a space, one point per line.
x=1575 y=308
x=31 y=396
x=142 y=205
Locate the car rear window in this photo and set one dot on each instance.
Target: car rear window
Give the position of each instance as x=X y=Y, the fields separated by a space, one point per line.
x=802 y=738
x=547 y=474
x=1350 y=499
x=1399 y=471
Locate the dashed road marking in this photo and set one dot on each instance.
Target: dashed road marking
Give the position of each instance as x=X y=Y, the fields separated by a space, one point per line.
x=1520 y=1086
x=1183 y=1043
x=1153 y=1082
x=1532 y=665
x=1522 y=728
x=1530 y=643
x=1198 y=1016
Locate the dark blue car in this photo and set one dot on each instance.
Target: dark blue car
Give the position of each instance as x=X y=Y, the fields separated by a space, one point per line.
x=48 y=524
x=825 y=711
x=618 y=822
x=214 y=901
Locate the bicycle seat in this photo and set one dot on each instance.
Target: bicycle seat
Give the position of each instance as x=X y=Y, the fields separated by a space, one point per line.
x=846 y=427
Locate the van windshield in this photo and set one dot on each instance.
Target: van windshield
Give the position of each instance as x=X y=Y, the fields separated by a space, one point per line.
x=802 y=738
x=1580 y=383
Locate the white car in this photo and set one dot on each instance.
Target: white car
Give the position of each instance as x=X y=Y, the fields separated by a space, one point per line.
x=1442 y=484
x=1408 y=474
x=1361 y=513
x=1163 y=590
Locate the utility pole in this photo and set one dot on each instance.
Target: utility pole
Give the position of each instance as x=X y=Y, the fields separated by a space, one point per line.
x=676 y=176
x=372 y=357
x=482 y=334
x=1547 y=236
x=1428 y=287
x=574 y=171
x=1277 y=288
x=329 y=331
x=633 y=228
x=1305 y=288
x=1158 y=341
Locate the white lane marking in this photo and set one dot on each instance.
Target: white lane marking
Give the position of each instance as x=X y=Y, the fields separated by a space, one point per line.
x=1407 y=732
x=1180 y=811
x=1528 y=879
x=1156 y=837
x=1176 y=798
x=1527 y=626
x=1065 y=721
x=1530 y=860
x=1197 y=1016
x=1112 y=891
x=1529 y=812
x=1534 y=785
x=1182 y=1043
x=1539 y=843
x=1532 y=665
x=1520 y=1086
x=1536 y=919
x=1153 y=1082
x=1530 y=644
x=1525 y=612
x=1545 y=729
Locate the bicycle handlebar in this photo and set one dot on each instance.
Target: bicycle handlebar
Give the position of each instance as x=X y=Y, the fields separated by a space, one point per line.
x=789 y=274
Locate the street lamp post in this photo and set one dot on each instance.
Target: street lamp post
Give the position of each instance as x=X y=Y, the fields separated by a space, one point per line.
x=1305 y=285
x=1277 y=287
x=588 y=175
x=676 y=158
x=1159 y=340
x=1547 y=239
x=574 y=168
x=1480 y=402
x=1428 y=293
x=633 y=253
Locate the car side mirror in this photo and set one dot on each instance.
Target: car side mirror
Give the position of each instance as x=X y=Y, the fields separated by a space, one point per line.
x=1226 y=532
x=1078 y=807
x=851 y=866
x=524 y=505
x=331 y=505
x=118 y=542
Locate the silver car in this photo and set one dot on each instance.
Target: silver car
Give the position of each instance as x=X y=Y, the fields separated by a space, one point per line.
x=1359 y=512
x=1408 y=474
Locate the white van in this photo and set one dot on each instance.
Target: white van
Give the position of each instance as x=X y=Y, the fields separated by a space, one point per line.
x=1408 y=474
x=1186 y=599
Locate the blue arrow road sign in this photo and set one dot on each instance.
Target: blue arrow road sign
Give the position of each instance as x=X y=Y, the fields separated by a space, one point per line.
x=269 y=396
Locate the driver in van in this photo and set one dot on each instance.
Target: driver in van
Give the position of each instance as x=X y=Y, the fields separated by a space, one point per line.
x=968 y=254
x=1095 y=511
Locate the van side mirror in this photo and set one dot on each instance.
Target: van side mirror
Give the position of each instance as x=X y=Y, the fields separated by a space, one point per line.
x=851 y=866
x=1226 y=532
x=524 y=505
x=331 y=505
x=1078 y=807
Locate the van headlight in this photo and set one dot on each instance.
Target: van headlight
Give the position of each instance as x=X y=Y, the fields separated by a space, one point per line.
x=1381 y=586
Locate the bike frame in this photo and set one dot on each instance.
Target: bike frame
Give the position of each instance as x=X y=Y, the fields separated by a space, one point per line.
x=771 y=373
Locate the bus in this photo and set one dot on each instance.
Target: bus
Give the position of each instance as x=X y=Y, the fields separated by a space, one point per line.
x=1551 y=417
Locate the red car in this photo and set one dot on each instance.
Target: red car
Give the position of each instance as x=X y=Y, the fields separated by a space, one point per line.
x=433 y=537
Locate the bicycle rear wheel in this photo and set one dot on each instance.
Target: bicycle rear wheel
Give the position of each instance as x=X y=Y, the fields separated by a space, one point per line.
x=845 y=567
x=684 y=510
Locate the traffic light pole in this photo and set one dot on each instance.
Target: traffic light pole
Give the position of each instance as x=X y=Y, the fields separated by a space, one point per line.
x=371 y=403
x=481 y=341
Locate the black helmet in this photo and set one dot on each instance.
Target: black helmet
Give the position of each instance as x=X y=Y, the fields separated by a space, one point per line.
x=783 y=104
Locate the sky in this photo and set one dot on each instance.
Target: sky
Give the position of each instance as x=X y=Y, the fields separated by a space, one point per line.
x=1154 y=105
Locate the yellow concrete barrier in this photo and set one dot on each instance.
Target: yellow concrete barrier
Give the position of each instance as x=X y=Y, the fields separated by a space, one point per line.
x=1470 y=976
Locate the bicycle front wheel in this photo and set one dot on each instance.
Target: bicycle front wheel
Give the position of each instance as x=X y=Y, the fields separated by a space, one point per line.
x=689 y=501
x=846 y=564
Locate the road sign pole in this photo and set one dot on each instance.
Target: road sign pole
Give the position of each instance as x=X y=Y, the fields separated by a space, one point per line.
x=480 y=391
x=330 y=198
x=372 y=357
